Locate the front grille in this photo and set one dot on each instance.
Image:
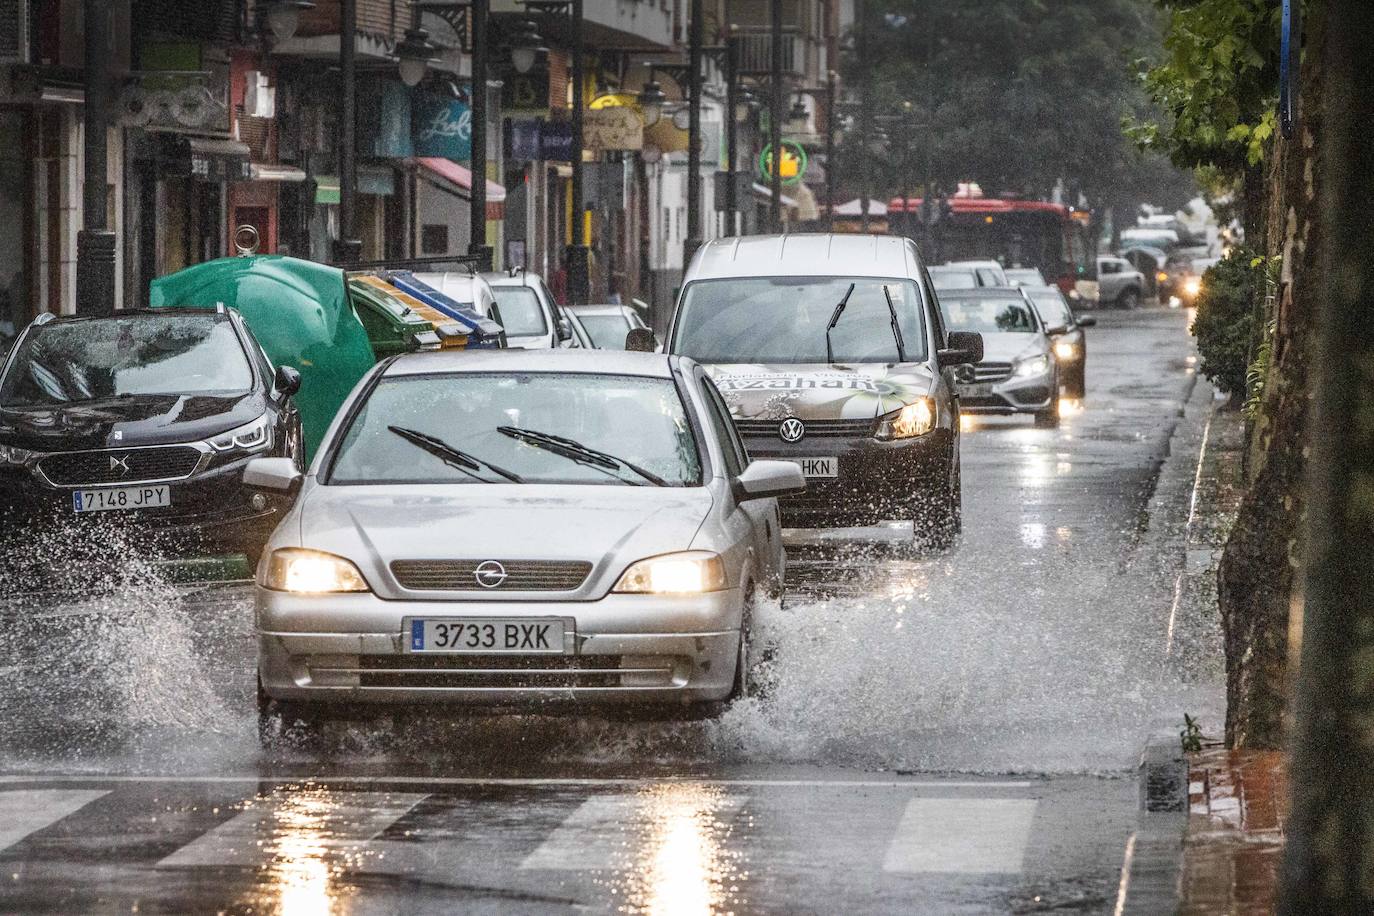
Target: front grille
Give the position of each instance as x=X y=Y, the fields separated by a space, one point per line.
x=135 y=465
x=461 y=575
x=991 y=372
x=848 y=429
x=500 y=671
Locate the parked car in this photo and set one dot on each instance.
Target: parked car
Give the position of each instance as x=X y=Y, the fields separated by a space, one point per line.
x=945 y=277
x=531 y=317
x=831 y=353
x=580 y=339
x=1066 y=333
x=607 y=325
x=147 y=417
x=1166 y=239
x=1024 y=276
x=988 y=271
x=1118 y=282
x=519 y=528
x=1018 y=372
x=1151 y=263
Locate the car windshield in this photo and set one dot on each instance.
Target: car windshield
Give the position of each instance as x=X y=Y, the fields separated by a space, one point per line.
x=988 y=316
x=521 y=313
x=784 y=320
x=607 y=330
x=1052 y=307
x=636 y=420
x=70 y=362
x=953 y=279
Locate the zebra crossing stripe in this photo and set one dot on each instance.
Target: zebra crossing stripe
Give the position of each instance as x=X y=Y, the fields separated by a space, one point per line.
x=622 y=830
x=28 y=811
x=309 y=824
x=961 y=836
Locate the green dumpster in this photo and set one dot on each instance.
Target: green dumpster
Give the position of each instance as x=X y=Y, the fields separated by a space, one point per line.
x=392 y=326
x=300 y=312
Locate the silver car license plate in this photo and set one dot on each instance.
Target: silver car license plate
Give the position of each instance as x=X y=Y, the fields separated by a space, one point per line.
x=976 y=390
x=818 y=467
x=121 y=498
x=487 y=635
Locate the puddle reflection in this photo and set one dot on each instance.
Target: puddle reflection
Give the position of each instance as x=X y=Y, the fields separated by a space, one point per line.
x=683 y=867
x=297 y=854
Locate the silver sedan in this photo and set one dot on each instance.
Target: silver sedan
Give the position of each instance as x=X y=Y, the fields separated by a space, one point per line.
x=514 y=529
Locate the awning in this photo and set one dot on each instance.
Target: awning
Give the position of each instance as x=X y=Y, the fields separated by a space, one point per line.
x=853 y=208
x=763 y=192
x=205 y=159
x=460 y=179
x=266 y=171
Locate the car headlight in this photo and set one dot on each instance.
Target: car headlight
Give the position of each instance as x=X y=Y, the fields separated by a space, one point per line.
x=1162 y=277
x=10 y=454
x=915 y=419
x=686 y=573
x=1032 y=365
x=1193 y=286
x=1066 y=349
x=250 y=437
x=312 y=572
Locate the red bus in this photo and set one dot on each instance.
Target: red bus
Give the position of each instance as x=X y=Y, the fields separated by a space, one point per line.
x=1019 y=233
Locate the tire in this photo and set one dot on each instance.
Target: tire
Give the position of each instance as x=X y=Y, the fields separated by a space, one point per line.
x=1129 y=299
x=939 y=524
x=743 y=658
x=283 y=720
x=1049 y=417
x=1078 y=382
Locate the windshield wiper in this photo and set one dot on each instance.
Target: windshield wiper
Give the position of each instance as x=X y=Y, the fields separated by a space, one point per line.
x=582 y=454
x=456 y=458
x=896 y=327
x=834 y=320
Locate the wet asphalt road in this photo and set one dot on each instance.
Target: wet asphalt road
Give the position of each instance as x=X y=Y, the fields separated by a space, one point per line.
x=941 y=734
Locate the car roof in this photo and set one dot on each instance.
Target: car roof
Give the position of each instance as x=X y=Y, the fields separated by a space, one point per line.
x=609 y=308
x=982 y=292
x=188 y=311
x=952 y=269
x=592 y=362
x=805 y=255
x=501 y=278
x=974 y=262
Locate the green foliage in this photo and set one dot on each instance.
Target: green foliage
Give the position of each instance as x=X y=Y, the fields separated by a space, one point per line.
x=1191 y=736
x=1225 y=321
x=1258 y=372
x=1217 y=84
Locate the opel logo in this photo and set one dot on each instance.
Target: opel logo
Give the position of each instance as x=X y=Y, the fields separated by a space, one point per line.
x=121 y=463
x=490 y=574
x=965 y=373
x=791 y=430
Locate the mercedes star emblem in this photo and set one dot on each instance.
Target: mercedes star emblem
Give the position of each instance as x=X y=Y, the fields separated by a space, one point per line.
x=490 y=574
x=965 y=373
x=791 y=430
x=122 y=463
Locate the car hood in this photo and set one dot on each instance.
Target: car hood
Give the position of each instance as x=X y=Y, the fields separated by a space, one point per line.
x=607 y=526
x=820 y=391
x=127 y=421
x=1006 y=348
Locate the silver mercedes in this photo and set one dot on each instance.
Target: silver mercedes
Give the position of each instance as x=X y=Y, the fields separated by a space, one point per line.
x=518 y=528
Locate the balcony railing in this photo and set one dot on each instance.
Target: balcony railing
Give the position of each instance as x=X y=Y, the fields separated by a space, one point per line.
x=755 y=53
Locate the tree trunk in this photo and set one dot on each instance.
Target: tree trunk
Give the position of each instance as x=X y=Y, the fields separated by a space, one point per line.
x=1256 y=579
x=1256 y=192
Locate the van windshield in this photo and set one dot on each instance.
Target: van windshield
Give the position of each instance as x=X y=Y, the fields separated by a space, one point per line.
x=784 y=320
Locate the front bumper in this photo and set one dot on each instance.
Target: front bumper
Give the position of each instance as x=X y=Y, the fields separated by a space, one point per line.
x=621 y=649
x=877 y=480
x=1012 y=395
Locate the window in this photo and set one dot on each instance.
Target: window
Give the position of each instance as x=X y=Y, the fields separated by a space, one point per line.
x=434 y=239
x=736 y=458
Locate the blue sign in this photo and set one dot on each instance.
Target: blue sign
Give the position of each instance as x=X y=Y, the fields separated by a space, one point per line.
x=524 y=139
x=555 y=141
x=441 y=127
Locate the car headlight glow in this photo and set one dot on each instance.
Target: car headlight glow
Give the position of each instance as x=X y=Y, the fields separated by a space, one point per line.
x=915 y=419
x=1193 y=286
x=688 y=573
x=10 y=454
x=1066 y=349
x=250 y=437
x=1032 y=365
x=312 y=572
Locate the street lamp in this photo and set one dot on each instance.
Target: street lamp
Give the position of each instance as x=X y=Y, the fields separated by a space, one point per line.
x=651 y=98
x=525 y=46
x=283 y=17
x=746 y=103
x=415 y=54
x=796 y=117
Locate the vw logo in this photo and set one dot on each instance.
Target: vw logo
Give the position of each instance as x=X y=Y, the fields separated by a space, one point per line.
x=791 y=430
x=965 y=373
x=121 y=463
x=490 y=574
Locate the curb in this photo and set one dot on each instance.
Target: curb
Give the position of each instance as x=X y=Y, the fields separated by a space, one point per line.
x=1163 y=776
x=1152 y=873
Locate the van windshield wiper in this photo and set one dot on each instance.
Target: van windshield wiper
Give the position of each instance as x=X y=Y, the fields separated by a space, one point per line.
x=896 y=326
x=456 y=458
x=582 y=454
x=834 y=320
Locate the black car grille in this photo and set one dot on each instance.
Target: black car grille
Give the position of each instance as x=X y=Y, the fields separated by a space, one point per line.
x=512 y=672
x=991 y=372
x=76 y=469
x=461 y=575
x=848 y=429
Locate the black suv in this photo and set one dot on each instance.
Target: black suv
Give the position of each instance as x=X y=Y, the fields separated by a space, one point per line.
x=145 y=418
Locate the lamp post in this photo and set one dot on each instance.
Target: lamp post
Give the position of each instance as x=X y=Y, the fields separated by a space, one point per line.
x=348 y=249
x=95 y=244
x=775 y=116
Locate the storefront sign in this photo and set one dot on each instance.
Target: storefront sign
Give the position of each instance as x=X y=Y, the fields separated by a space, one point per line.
x=526 y=91
x=555 y=141
x=612 y=129
x=442 y=127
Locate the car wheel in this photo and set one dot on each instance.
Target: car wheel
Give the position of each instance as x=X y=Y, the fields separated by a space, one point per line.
x=1129 y=299
x=1078 y=383
x=1049 y=417
x=283 y=721
x=939 y=522
x=744 y=658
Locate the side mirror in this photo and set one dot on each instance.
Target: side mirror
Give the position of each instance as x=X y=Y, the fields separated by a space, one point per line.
x=964 y=347
x=277 y=474
x=564 y=330
x=640 y=340
x=762 y=479
x=1086 y=321
x=1057 y=329
x=287 y=381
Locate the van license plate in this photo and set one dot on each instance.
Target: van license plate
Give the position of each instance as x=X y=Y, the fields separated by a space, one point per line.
x=121 y=498
x=818 y=467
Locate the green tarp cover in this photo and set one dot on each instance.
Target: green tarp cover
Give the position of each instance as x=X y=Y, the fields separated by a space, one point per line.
x=301 y=314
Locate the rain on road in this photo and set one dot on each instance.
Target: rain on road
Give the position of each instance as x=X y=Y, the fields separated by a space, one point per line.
x=950 y=733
